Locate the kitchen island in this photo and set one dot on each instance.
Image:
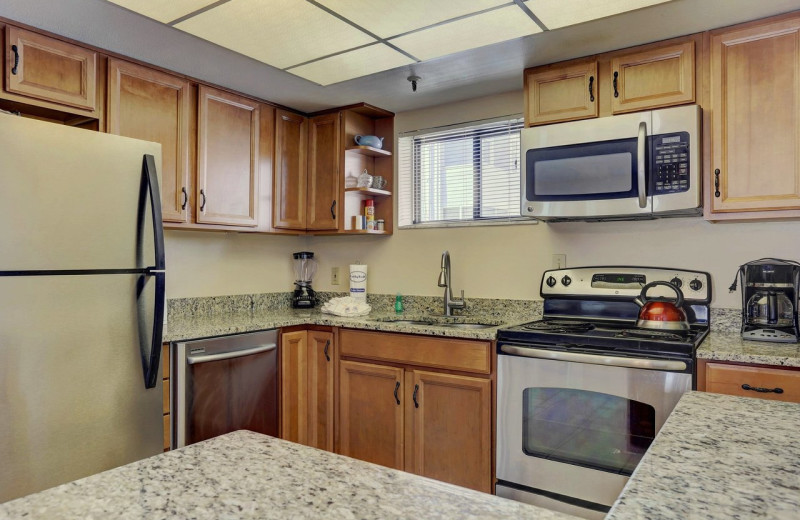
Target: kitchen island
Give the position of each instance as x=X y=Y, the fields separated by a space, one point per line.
x=246 y=475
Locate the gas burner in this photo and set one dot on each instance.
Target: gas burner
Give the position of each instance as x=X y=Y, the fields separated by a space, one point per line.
x=651 y=334
x=559 y=326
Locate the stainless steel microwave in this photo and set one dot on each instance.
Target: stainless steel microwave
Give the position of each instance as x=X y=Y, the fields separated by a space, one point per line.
x=631 y=166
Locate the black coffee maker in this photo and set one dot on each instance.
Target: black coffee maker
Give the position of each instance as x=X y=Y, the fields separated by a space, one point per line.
x=305 y=267
x=769 y=299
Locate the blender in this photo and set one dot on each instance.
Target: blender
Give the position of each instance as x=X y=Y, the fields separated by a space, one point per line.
x=304 y=269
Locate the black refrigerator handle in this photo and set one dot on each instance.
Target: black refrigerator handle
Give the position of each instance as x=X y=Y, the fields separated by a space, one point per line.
x=152 y=356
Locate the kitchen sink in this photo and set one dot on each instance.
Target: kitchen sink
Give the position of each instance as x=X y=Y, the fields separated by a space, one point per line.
x=468 y=325
x=407 y=322
x=439 y=321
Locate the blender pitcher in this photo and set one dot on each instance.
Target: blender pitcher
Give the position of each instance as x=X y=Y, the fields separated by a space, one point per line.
x=304 y=269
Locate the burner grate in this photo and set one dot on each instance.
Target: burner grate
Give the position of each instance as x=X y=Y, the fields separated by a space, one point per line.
x=652 y=334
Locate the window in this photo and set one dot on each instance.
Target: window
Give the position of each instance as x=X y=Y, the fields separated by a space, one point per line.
x=465 y=174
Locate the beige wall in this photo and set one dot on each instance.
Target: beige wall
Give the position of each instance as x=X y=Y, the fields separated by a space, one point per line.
x=487 y=262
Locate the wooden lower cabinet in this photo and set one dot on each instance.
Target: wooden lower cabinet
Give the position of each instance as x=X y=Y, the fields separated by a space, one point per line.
x=776 y=384
x=423 y=419
x=307 y=387
x=451 y=432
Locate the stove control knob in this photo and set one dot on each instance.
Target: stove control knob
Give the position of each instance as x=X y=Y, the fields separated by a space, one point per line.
x=695 y=285
x=551 y=281
x=676 y=282
x=566 y=281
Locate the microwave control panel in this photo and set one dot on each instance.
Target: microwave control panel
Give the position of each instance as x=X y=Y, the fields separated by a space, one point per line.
x=670 y=163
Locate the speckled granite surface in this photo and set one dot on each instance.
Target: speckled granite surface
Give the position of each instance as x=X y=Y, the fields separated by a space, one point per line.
x=719 y=456
x=731 y=347
x=245 y=475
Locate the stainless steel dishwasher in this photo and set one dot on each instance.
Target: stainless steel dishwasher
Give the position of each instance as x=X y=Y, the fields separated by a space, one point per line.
x=224 y=384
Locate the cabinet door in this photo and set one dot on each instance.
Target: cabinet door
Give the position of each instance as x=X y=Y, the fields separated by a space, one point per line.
x=653 y=79
x=775 y=384
x=561 y=93
x=294 y=386
x=452 y=429
x=320 y=389
x=290 y=171
x=153 y=106
x=324 y=156
x=50 y=70
x=755 y=117
x=227 y=158
x=371 y=413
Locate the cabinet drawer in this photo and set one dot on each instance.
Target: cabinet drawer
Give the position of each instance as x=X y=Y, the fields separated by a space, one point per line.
x=448 y=353
x=728 y=379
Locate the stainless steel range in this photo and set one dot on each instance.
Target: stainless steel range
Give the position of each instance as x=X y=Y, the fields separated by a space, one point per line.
x=583 y=392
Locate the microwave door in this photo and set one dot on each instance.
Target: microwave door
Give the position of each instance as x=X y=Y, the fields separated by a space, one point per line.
x=675 y=180
x=590 y=169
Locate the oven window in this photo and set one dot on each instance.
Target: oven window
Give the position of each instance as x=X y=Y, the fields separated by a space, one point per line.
x=589 y=429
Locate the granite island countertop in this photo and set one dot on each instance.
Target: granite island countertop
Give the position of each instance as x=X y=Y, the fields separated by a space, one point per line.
x=246 y=475
x=719 y=456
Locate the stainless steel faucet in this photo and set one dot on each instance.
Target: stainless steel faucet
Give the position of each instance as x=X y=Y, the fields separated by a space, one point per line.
x=444 y=281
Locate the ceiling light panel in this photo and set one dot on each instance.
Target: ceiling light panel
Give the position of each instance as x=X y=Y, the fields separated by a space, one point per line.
x=280 y=33
x=560 y=13
x=487 y=28
x=353 y=64
x=387 y=18
x=163 y=11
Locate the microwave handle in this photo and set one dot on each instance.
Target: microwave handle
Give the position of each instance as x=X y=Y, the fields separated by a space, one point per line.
x=640 y=171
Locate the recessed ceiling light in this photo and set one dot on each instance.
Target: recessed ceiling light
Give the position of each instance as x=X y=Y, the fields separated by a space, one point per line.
x=468 y=33
x=163 y=11
x=353 y=64
x=388 y=18
x=560 y=13
x=280 y=33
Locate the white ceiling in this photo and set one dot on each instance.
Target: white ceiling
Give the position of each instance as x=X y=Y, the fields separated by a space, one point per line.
x=449 y=73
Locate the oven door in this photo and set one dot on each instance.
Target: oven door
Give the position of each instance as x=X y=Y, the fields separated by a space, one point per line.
x=587 y=169
x=574 y=430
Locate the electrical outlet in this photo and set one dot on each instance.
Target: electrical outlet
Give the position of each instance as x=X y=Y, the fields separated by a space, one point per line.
x=334 y=276
x=559 y=261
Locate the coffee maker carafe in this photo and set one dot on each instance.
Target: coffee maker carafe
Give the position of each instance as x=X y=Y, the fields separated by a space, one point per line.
x=769 y=300
x=305 y=267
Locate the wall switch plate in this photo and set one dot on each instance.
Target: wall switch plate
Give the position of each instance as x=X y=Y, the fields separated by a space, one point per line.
x=334 y=276
x=559 y=261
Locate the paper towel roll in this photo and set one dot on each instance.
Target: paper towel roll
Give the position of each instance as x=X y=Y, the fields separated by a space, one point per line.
x=358 y=282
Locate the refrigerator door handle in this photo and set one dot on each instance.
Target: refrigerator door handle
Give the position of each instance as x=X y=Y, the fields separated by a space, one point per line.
x=151 y=350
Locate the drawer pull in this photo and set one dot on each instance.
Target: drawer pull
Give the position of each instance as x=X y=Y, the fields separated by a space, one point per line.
x=327 y=346
x=185 y=198
x=716 y=183
x=761 y=389
x=591 y=89
x=15 y=50
x=416 y=389
x=616 y=91
x=396 y=388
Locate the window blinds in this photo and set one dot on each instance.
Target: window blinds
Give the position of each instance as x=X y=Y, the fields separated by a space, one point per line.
x=457 y=174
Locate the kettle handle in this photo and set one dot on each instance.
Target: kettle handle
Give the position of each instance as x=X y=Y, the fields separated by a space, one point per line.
x=678 y=292
x=357 y=139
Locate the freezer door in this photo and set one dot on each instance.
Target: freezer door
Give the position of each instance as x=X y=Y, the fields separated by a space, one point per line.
x=70 y=198
x=72 y=402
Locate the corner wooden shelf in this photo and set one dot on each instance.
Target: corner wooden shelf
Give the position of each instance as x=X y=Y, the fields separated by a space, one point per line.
x=369 y=191
x=369 y=150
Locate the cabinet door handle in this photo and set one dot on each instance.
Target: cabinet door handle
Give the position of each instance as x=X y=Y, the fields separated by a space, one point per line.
x=416 y=389
x=333 y=213
x=396 y=388
x=716 y=183
x=616 y=92
x=761 y=389
x=327 y=346
x=591 y=89
x=15 y=50
x=185 y=198
x=203 y=205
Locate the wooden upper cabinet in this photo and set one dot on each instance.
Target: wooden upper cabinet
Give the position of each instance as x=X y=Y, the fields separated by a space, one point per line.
x=653 y=78
x=755 y=117
x=452 y=425
x=289 y=193
x=50 y=70
x=371 y=413
x=324 y=157
x=321 y=350
x=154 y=106
x=227 y=158
x=561 y=93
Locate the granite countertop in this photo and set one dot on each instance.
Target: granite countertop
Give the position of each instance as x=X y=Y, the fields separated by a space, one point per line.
x=719 y=456
x=731 y=347
x=244 y=475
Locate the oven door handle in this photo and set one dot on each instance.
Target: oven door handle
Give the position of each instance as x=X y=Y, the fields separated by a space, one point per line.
x=194 y=359
x=612 y=361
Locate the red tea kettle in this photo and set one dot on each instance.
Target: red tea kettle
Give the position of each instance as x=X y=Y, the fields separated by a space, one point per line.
x=661 y=313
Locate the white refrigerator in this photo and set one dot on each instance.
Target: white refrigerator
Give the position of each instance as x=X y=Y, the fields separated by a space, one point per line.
x=81 y=303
